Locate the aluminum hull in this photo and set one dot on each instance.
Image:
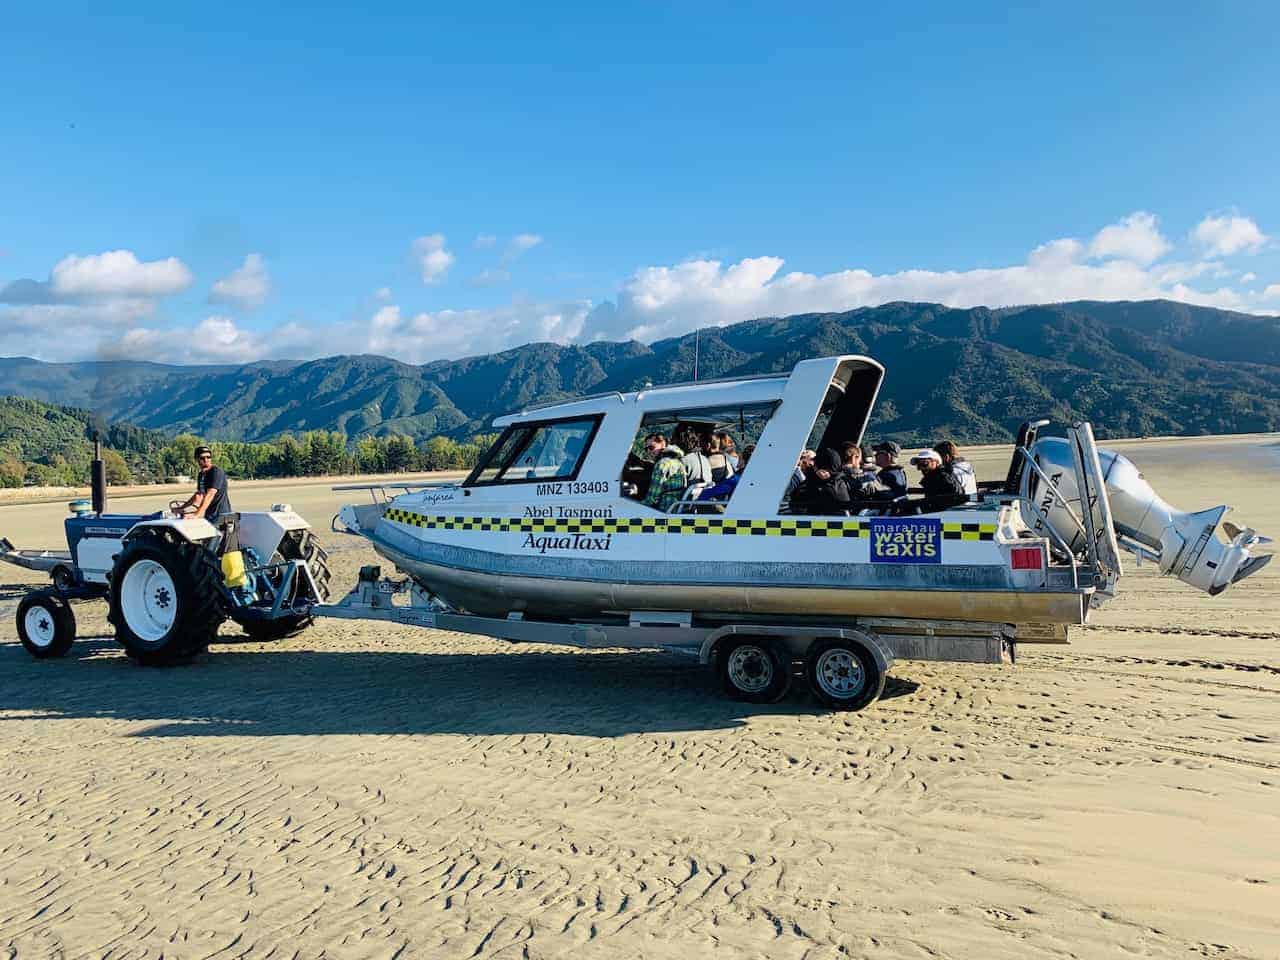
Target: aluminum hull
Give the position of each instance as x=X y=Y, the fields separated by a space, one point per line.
x=490 y=585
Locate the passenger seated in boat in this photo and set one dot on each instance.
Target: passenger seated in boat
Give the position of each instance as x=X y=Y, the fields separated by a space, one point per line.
x=890 y=475
x=962 y=468
x=724 y=489
x=825 y=490
x=942 y=488
x=669 y=478
x=696 y=464
x=803 y=466
x=862 y=483
x=729 y=448
x=721 y=467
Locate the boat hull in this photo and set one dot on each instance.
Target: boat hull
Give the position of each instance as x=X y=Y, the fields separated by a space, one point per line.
x=498 y=593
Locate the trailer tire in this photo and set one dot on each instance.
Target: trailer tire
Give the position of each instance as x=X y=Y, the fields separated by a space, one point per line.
x=753 y=669
x=843 y=674
x=46 y=625
x=166 y=599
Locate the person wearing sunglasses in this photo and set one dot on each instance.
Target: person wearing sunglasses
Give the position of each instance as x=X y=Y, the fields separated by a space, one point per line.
x=211 y=499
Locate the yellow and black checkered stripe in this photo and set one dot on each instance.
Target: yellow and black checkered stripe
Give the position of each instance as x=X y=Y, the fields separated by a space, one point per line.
x=695 y=525
x=968 y=531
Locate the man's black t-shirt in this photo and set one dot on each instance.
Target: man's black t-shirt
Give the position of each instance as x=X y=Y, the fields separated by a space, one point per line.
x=215 y=478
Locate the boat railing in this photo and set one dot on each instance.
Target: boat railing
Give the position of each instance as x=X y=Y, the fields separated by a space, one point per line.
x=1101 y=551
x=379 y=490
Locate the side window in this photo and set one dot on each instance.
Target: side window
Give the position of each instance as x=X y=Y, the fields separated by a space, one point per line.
x=536 y=451
x=716 y=445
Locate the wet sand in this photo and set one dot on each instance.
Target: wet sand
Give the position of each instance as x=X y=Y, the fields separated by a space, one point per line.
x=372 y=791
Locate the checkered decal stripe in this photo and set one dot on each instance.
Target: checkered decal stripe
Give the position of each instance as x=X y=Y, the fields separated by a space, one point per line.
x=968 y=531
x=706 y=526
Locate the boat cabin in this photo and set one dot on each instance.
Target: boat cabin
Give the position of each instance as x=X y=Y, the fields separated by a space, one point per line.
x=595 y=446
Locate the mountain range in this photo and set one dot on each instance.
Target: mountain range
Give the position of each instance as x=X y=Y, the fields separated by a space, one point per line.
x=1133 y=368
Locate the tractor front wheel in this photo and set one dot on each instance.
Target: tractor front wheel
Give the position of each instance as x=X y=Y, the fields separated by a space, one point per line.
x=166 y=598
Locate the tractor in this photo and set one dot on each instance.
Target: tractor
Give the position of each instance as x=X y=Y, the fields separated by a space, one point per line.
x=171 y=581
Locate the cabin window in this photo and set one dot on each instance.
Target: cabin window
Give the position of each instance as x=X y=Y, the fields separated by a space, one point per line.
x=694 y=430
x=533 y=452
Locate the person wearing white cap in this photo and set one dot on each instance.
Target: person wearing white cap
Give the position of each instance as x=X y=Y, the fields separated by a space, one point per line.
x=941 y=487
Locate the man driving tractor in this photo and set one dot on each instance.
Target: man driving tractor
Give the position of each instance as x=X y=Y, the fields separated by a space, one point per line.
x=210 y=500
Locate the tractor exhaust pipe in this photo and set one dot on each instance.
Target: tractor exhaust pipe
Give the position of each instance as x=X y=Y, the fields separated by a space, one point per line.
x=98 y=478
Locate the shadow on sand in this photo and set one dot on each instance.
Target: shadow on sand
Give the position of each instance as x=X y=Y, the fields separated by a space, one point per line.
x=284 y=691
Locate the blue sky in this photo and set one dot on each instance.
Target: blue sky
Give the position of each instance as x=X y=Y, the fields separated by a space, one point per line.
x=428 y=182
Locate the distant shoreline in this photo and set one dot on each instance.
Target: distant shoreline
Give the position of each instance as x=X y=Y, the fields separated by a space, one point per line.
x=32 y=495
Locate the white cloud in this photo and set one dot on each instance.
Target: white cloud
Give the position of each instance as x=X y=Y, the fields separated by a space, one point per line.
x=1222 y=236
x=245 y=287
x=1248 y=277
x=1136 y=237
x=454 y=333
x=432 y=258
x=490 y=278
x=666 y=301
x=654 y=302
x=118 y=273
x=215 y=339
x=520 y=244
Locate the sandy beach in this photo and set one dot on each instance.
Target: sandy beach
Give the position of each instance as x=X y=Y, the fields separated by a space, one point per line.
x=371 y=791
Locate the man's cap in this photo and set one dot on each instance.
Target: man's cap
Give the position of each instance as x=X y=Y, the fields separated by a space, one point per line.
x=202 y=450
x=927 y=455
x=888 y=447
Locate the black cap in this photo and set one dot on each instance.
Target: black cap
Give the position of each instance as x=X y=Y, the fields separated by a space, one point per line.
x=201 y=451
x=888 y=447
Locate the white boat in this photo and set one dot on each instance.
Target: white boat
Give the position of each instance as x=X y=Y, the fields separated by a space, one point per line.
x=545 y=527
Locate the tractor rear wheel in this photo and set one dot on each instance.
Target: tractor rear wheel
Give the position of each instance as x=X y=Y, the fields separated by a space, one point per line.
x=46 y=625
x=166 y=598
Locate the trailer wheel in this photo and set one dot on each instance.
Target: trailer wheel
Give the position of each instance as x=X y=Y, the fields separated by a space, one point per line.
x=46 y=625
x=166 y=599
x=752 y=669
x=843 y=674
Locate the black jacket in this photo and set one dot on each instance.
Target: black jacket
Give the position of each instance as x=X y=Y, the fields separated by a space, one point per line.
x=942 y=488
x=822 y=498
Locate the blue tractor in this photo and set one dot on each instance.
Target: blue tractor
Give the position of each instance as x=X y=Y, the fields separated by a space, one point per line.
x=171 y=582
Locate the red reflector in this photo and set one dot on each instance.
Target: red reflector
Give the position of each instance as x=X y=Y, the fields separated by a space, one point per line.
x=1026 y=558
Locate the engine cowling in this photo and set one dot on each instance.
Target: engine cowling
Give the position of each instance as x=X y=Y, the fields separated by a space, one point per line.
x=1185 y=545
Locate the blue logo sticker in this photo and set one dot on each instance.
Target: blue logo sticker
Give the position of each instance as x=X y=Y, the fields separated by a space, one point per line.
x=906 y=541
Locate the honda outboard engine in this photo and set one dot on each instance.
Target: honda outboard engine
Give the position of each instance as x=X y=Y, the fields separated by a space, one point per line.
x=1185 y=545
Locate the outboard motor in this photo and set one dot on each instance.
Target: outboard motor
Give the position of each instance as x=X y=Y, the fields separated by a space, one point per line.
x=1183 y=544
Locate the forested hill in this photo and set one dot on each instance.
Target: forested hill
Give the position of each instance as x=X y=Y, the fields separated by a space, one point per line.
x=1151 y=367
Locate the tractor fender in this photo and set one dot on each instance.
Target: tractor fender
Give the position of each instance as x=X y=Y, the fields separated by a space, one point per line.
x=191 y=529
